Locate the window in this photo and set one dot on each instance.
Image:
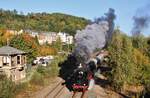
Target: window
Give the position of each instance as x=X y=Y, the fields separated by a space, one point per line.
x=5 y=61
x=18 y=60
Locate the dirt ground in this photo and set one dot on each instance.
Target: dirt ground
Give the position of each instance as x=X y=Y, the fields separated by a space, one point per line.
x=96 y=92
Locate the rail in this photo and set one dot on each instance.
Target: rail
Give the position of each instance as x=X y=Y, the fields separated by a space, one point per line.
x=55 y=91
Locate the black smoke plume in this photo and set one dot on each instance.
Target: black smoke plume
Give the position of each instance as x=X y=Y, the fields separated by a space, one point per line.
x=141 y=20
x=94 y=37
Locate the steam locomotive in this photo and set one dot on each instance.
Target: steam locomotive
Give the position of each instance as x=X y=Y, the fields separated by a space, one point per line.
x=82 y=78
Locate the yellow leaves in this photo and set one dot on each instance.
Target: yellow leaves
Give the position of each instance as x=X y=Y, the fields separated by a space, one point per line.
x=27 y=37
x=45 y=50
x=140 y=58
x=133 y=88
x=5 y=35
x=29 y=40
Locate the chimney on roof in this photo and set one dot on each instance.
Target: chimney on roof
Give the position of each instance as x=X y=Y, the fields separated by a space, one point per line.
x=7 y=42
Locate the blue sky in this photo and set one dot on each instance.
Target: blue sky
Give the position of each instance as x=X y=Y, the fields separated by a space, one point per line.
x=125 y=9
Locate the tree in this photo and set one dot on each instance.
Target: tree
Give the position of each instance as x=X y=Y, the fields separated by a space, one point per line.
x=46 y=50
x=148 y=46
x=116 y=52
x=41 y=21
x=58 y=44
x=140 y=42
x=26 y=43
x=130 y=65
x=36 y=40
x=4 y=37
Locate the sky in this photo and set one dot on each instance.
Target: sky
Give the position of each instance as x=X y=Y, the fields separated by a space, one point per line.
x=90 y=9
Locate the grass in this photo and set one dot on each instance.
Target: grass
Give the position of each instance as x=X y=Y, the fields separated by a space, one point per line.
x=39 y=78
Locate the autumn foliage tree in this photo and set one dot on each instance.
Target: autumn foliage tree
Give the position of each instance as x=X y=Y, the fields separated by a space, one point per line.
x=5 y=36
x=131 y=67
x=46 y=50
x=26 y=43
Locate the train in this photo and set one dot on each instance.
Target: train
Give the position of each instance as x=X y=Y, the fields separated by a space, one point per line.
x=82 y=78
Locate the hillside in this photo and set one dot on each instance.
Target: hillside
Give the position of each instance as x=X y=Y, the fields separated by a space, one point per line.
x=41 y=21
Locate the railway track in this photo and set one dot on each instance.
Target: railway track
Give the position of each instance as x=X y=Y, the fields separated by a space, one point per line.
x=79 y=95
x=59 y=90
x=56 y=91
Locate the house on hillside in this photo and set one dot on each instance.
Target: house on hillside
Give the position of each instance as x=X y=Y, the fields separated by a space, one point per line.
x=69 y=39
x=65 y=38
x=48 y=37
x=33 y=34
x=12 y=62
x=54 y=36
x=14 y=32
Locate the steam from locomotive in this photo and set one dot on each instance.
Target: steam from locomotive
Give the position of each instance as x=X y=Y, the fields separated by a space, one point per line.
x=141 y=20
x=95 y=36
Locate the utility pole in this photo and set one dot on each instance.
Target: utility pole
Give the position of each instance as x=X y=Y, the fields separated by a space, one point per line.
x=68 y=44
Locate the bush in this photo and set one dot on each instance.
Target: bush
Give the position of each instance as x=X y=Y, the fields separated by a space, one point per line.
x=37 y=79
x=7 y=87
x=47 y=71
x=41 y=70
x=21 y=87
x=146 y=79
